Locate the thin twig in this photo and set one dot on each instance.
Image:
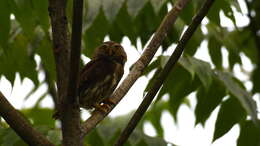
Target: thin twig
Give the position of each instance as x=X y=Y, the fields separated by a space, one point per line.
x=20 y=125
x=164 y=73
x=70 y=115
x=138 y=67
x=51 y=86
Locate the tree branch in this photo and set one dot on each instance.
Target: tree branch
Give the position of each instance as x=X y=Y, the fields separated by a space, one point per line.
x=138 y=67
x=20 y=125
x=164 y=73
x=57 y=12
x=70 y=115
x=66 y=79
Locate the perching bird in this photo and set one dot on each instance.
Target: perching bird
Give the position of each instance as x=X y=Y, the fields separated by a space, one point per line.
x=100 y=76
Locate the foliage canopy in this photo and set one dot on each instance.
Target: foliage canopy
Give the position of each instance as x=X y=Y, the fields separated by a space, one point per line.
x=25 y=33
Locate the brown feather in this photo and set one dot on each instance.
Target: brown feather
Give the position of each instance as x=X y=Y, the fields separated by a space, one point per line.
x=100 y=76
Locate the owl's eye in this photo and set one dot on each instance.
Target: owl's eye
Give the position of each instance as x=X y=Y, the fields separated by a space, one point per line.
x=117 y=46
x=104 y=46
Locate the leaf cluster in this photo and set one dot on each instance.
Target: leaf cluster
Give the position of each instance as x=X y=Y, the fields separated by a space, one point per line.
x=25 y=35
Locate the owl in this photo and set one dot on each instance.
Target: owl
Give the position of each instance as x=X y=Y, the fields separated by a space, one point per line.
x=99 y=77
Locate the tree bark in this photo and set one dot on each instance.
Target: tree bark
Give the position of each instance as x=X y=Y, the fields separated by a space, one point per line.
x=139 y=66
x=21 y=125
x=164 y=73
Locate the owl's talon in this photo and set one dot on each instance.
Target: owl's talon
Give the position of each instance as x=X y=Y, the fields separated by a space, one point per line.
x=102 y=108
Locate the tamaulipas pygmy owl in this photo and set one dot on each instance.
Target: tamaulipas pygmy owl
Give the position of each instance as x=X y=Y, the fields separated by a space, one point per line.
x=99 y=77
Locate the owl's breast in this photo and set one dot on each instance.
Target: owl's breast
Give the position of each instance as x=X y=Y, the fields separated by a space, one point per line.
x=97 y=89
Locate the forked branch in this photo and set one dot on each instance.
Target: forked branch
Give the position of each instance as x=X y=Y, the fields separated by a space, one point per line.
x=139 y=66
x=67 y=66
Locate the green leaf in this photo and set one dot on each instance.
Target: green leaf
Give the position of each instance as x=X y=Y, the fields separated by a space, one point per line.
x=7 y=65
x=208 y=100
x=109 y=132
x=44 y=129
x=44 y=49
x=69 y=11
x=157 y=4
x=151 y=82
x=230 y=113
x=142 y=143
x=178 y=84
x=123 y=19
x=54 y=136
x=155 y=141
x=94 y=139
x=152 y=66
x=95 y=34
x=187 y=14
x=10 y=138
x=215 y=52
x=22 y=10
x=231 y=40
x=226 y=7
x=197 y=4
x=203 y=71
x=216 y=31
x=256 y=79
x=4 y=23
x=236 y=5
x=114 y=137
x=173 y=35
x=185 y=62
x=146 y=23
x=249 y=47
x=111 y=8
x=134 y=6
x=40 y=116
x=194 y=43
x=213 y=13
x=25 y=63
x=115 y=34
x=249 y=134
x=243 y=96
x=233 y=58
x=242 y=40
x=154 y=116
x=93 y=9
x=41 y=10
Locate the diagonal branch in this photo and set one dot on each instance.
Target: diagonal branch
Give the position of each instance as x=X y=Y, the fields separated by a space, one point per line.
x=139 y=66
x=21 y=125
x=164 y=73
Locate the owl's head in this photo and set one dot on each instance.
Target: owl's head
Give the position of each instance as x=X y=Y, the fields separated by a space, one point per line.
x=112 y=51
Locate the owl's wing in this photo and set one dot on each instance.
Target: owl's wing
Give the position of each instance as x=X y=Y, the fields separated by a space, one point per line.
x=93 y=72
